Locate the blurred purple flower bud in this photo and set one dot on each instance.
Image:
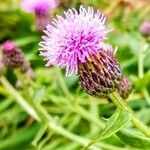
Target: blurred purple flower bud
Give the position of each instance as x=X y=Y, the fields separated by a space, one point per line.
x=145 y=29
x=41 y=9
x=125 y=87
x=8 y=46
x=13 y=56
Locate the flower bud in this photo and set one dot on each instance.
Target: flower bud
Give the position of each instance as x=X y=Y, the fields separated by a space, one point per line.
x=13 y=57
x=145 y=29
x=125 y=87
x=41 y=8
x=100 y=74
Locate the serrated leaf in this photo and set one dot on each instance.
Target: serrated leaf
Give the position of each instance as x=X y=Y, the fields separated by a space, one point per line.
x=134 y=139
x=115 y=123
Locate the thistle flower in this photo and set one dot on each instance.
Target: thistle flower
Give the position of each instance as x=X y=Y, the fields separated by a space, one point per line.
x=71 y=40
x=41 y=9
x=145 y=29
x=125 y=87
x=100 y=74
x=13 y=57
x=76 y=42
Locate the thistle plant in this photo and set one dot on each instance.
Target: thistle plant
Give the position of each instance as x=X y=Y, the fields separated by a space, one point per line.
x=76 y=42
x=41 y=10
x=55 y=112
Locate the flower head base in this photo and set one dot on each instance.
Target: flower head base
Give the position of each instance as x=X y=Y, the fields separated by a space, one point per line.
x=101 y=73
x=145 y=29
x=125 y=87
x=41 y=21
x=72 y=39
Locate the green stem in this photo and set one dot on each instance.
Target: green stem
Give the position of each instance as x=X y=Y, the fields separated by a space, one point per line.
x=94 y=110
x=39 y=134
x=24 y=104
x=120 y=103
x=147 y=96
x=140 y=63
x=63 y=85
x=141 y=69
x=85 y=114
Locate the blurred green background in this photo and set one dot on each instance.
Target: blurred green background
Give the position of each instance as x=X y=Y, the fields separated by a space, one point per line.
x=59 y=100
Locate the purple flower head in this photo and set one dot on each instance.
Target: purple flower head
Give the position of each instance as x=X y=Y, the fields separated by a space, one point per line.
x=145 y=29
x=38 y=6
x=13 y=57
x=72 y=39
x=8 y=46
x=101 y=73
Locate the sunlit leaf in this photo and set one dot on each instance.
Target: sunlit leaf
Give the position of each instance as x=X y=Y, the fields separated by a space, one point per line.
x=115 y=123
x=134 y=139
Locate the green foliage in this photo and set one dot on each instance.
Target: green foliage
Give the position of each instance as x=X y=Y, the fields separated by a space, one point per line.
x=134 y=139
x=20 y=138
x=115 y=123
x=51 y=111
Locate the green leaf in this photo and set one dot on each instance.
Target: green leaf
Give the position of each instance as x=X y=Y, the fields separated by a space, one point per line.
x=21 y=138
x=143 y=82
x=26 y=40
x=115 y=123
x=134 y=139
